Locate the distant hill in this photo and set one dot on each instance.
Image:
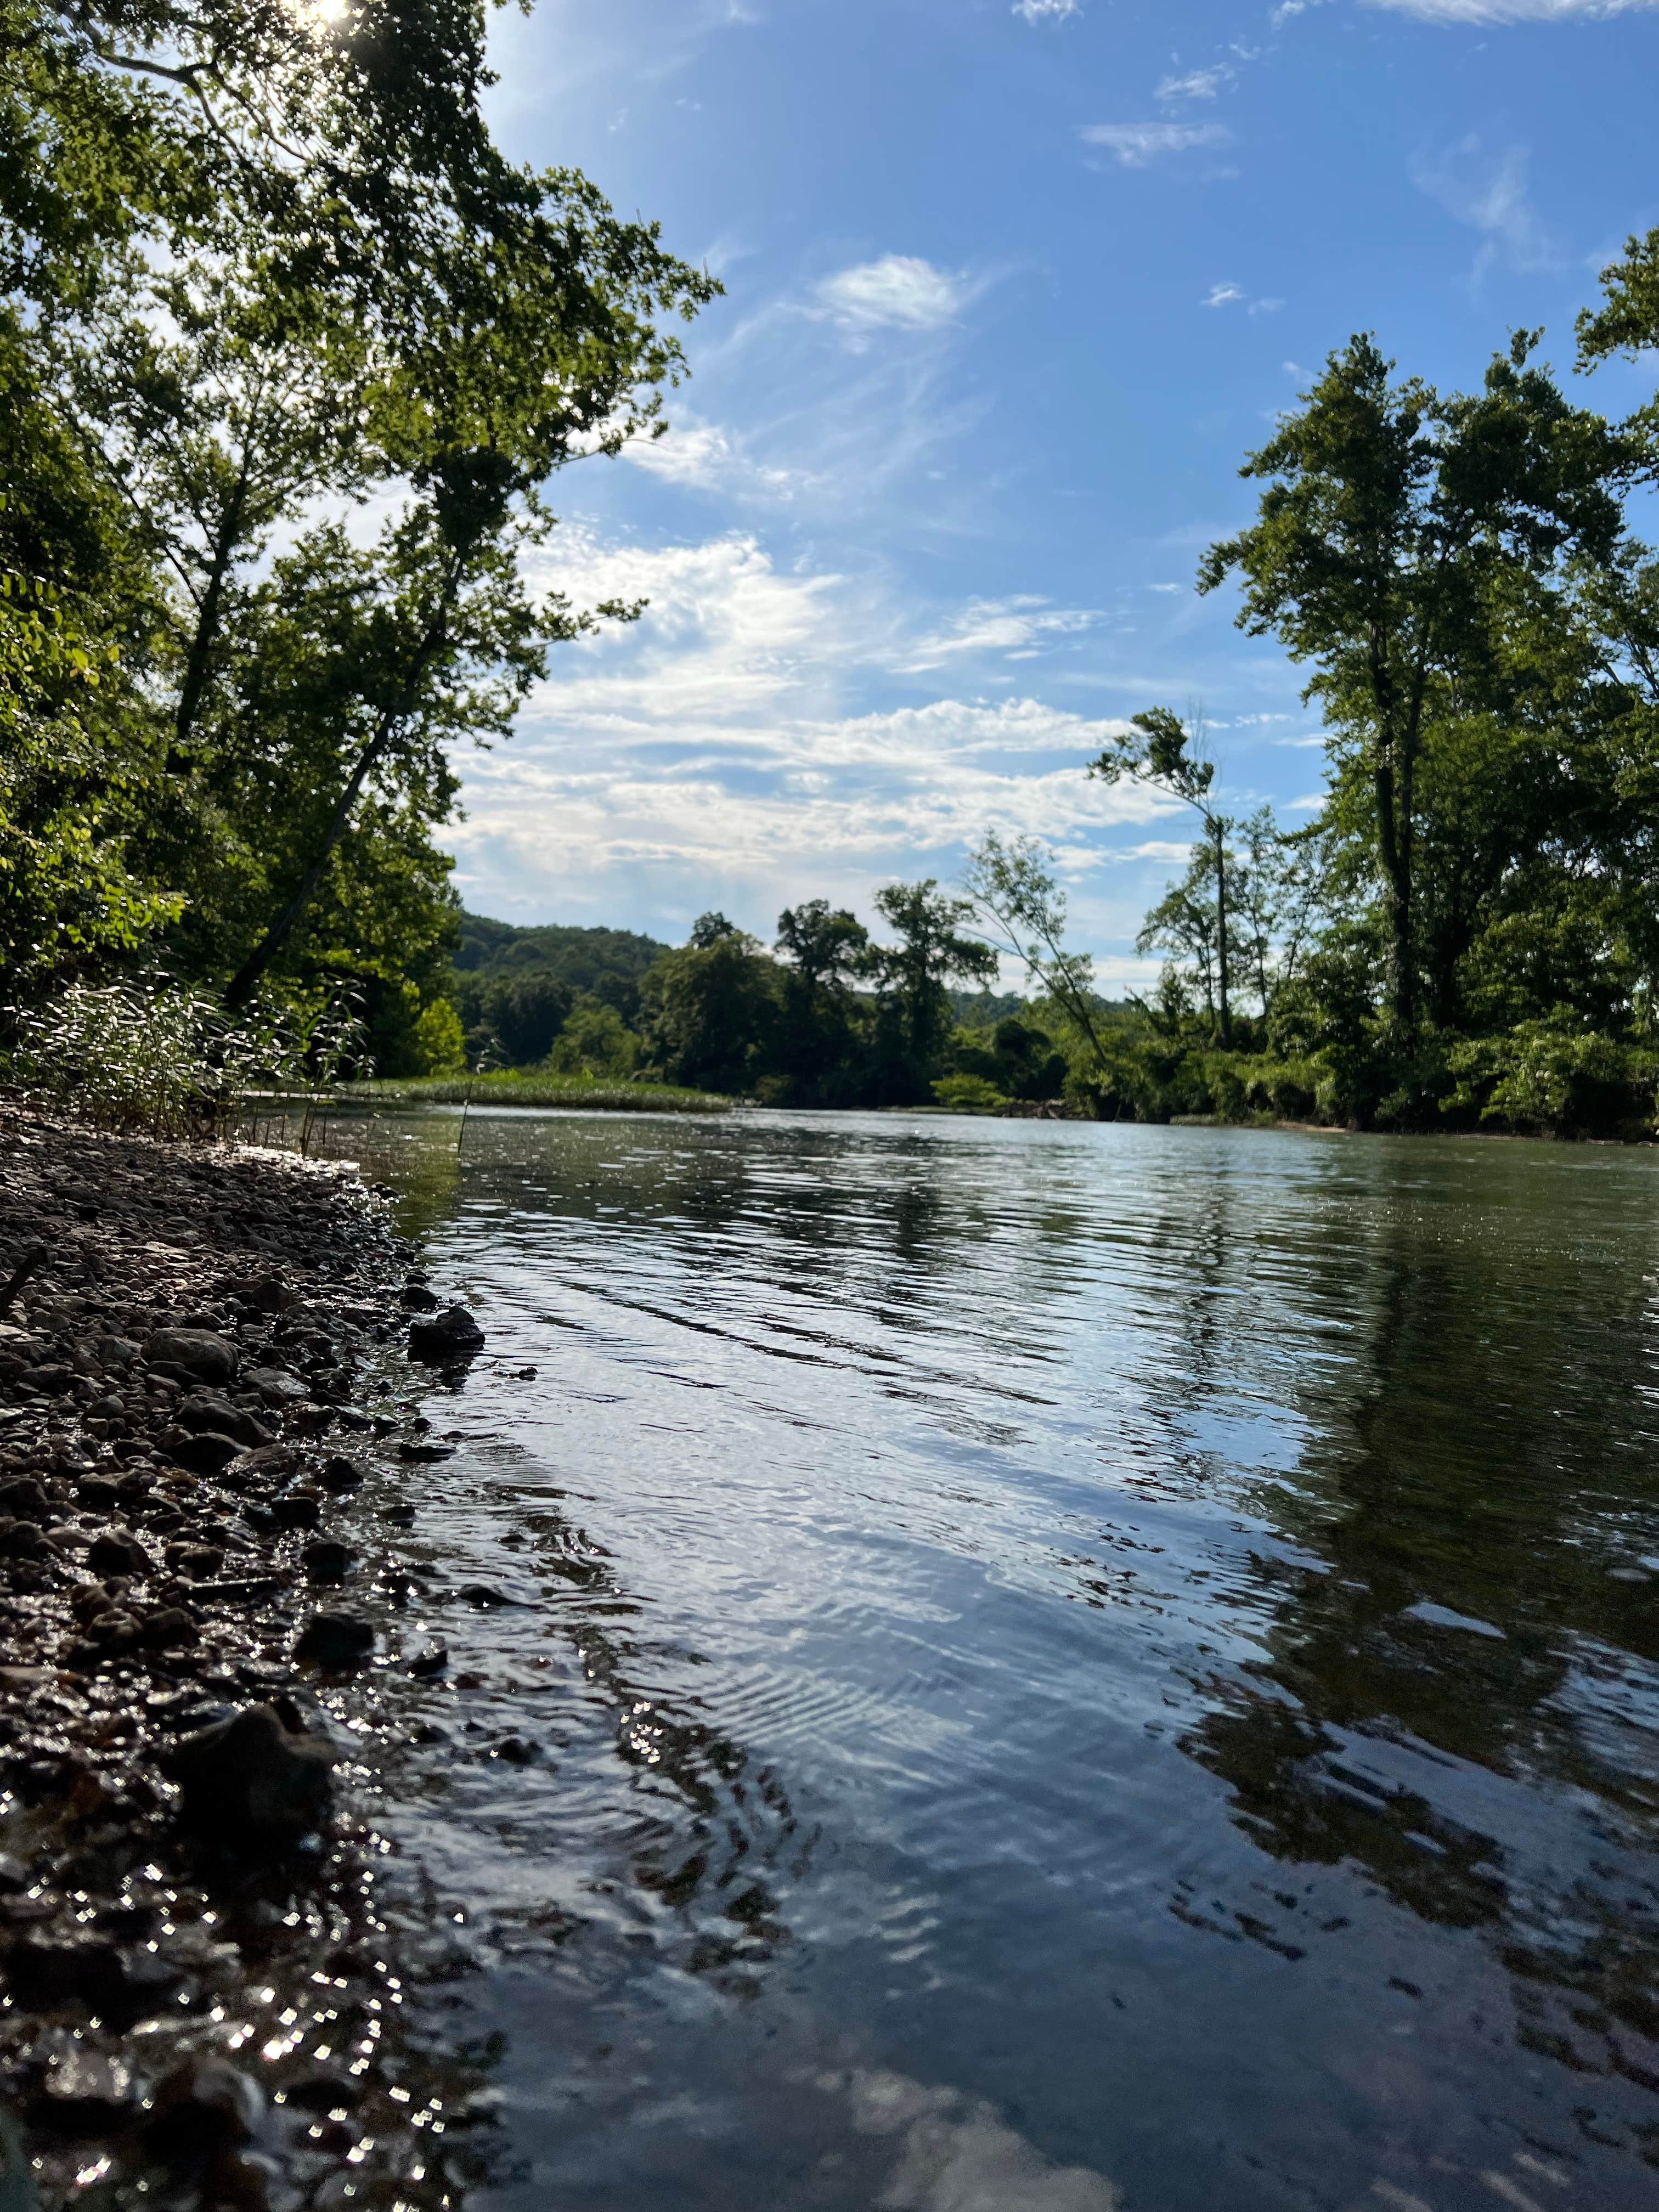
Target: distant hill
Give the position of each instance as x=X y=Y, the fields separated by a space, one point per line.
x=582 y=958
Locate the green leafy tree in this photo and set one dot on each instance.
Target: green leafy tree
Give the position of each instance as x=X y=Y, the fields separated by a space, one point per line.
x=1165 y=753
x=1396 y=530
x=818 y=1038
x=1018 y=900
x=913 y=978
x=708 y=1012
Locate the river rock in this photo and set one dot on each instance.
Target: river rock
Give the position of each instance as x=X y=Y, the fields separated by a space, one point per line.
x=296 y=1509
x=328 y=1560
x=115 y=1552
x=451 y=1336
x=205 y=2106
x=23 y=1499
x=341 y=1475
x=251 y=1781
x=336 y=1641
x=203 y=1355
x=208 y=1453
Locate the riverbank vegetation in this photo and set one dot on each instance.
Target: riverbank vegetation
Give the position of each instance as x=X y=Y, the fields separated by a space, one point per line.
x=289 y=355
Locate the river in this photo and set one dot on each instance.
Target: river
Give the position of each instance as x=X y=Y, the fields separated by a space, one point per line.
x=1050 y=1665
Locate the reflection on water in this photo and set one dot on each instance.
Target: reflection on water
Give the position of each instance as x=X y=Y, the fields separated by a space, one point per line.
x=1049 y=1666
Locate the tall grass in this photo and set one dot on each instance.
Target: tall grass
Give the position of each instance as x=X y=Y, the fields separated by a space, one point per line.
x=157 y=1057
x=511 y=1088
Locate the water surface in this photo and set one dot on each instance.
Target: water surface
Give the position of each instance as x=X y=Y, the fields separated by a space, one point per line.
x=1068 y=1665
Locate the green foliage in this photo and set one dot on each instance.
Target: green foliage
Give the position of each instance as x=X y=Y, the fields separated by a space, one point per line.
x=596 y=1043
x=167 y=1059
x=440 y=1039
x=261 y=266
x=968 y=1094
x=519 y=1087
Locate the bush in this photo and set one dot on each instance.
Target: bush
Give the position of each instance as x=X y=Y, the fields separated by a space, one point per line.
x=968 y=1094
x=440 y=1041
x=163 y=1059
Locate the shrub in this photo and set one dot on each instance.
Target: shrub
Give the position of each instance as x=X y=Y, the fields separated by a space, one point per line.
x=157 y=1057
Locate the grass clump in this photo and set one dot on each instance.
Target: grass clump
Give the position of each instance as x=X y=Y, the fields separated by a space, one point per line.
x=516 y=1087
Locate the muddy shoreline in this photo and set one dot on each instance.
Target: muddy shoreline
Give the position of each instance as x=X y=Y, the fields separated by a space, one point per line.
x=218 y=1975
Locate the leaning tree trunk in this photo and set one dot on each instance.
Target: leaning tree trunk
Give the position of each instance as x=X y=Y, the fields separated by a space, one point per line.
x=1221 y=830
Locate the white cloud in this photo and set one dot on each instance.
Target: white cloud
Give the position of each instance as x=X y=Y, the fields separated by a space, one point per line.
x=1489 y=193
x=1135 y=144
x=1166 y=588
x=1198 y=84
x=898 y=292
x=1046 y=11
x=1014 y=626
x=722 y=750
x=1227 y=295
x=1502 y=11
x=703 y=456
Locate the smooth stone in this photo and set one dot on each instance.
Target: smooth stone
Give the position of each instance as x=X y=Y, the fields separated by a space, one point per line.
x=336 y=1641
x=203 y=1354
x=328 y=1560
x=116 y=1555
x=252 y=1780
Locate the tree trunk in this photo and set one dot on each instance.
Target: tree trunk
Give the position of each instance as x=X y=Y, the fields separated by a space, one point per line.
x=207 y=616
x=244 y=982
x=1220 y=831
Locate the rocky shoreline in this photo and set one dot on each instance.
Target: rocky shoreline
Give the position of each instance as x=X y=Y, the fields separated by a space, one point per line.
x=211 y=1961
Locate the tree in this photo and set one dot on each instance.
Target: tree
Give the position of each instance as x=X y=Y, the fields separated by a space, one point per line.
x=826 y=947
x=264 y=259
x=912 y=975
x=1014 y=889
x=707 y=1012
x=1161 y=751
x=1396 y=530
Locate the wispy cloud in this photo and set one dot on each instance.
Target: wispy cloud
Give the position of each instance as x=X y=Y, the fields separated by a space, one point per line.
x=1489 y=193
x=900 y=292
x=1230 y=295
x=1018 y=627
x=1046 y=11
x=1135 y=144
x=703 y=456
x=1489 y=12
x=1198 y=84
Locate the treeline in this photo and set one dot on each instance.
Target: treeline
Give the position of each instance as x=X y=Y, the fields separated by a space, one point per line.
x=826 y=1018
x=290 y=353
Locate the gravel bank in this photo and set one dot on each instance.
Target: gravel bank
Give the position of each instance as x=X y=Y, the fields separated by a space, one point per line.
x=217 y=1973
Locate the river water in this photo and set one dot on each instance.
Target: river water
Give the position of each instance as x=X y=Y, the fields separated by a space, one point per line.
x=1060 y=1666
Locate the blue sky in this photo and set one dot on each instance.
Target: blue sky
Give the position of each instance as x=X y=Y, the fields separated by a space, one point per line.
x=1011 y=290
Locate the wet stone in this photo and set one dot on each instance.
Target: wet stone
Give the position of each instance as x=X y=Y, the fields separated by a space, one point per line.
x=252 y=1781
x=328 y=1560
x=114 y=1553
x=201 y=1353
x=336 y=1641
x=341 y=1474
x=452 y=1336
x=204 y=2107
x=85 y=2093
